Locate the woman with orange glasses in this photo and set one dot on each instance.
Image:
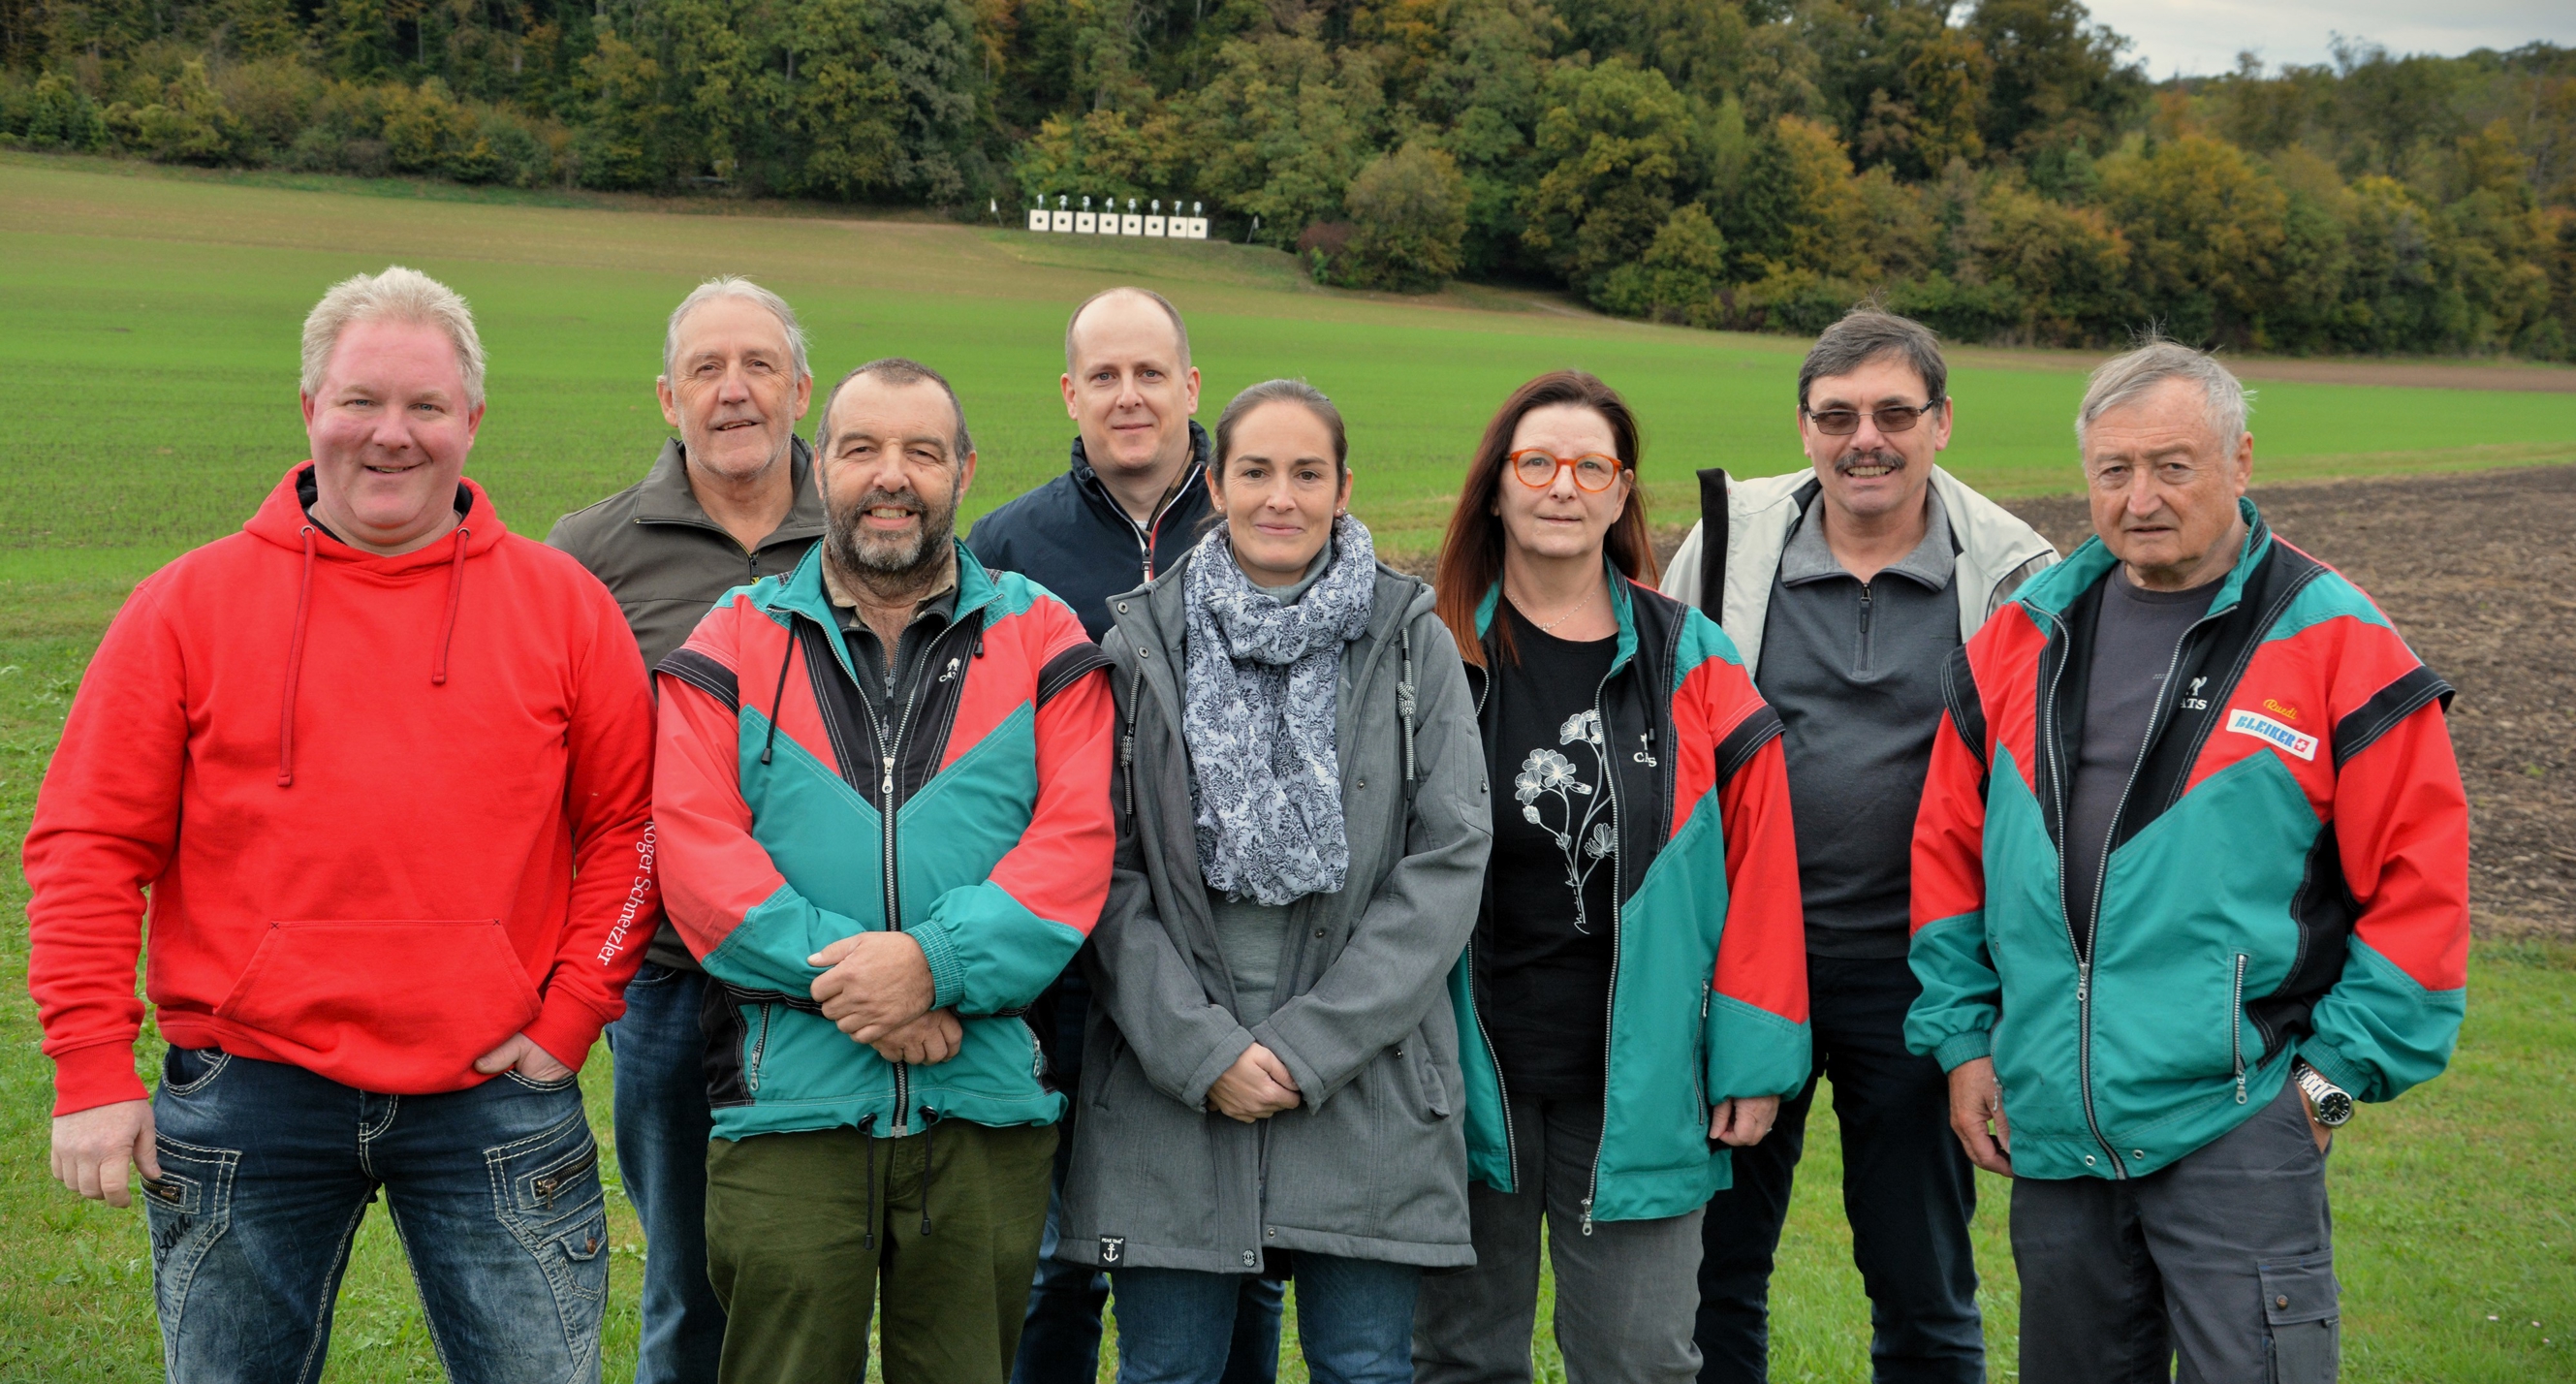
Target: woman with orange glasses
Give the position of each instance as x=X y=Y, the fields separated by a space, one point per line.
x=1634 y=997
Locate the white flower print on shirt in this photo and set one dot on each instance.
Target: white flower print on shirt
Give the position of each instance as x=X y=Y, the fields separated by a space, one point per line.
x=1550 y=786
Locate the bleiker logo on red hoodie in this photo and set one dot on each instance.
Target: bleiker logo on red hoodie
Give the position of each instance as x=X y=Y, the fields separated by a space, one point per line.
x=389 y=811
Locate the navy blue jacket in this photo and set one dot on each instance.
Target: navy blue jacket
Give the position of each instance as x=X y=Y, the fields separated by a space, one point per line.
x=1070 y=536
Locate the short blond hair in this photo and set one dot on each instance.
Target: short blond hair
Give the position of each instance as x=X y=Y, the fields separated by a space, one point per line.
x=397 y=295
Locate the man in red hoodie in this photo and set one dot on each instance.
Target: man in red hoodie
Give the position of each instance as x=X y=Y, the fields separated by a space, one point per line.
x=384 y=769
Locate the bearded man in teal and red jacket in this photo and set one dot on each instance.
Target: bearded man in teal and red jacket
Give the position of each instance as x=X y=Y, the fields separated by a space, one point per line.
x=883 y=797
x=2190 y=877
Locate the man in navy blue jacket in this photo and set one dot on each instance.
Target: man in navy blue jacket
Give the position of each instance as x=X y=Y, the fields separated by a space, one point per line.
x=1135 y=497
x=1133 y=501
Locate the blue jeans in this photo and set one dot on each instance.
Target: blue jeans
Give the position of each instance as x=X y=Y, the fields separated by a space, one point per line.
x=1060 y=1338
x=663 y=1125
x=1354 y=1322
x=266 y=1170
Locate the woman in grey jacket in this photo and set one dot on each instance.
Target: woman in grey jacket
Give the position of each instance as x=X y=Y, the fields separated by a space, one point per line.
x=1303 y=823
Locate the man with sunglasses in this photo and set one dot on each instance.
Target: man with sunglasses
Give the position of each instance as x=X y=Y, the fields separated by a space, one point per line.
x=1847 y=586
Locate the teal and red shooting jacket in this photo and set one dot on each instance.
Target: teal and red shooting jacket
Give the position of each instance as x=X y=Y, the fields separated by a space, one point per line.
x=2288 y=873
x=975 y=818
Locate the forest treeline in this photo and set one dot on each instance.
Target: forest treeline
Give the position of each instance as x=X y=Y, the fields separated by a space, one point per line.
x=2001 y=169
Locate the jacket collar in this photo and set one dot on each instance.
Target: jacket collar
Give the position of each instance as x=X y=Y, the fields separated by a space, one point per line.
x=665 y=497
x=1808 y=557
x=280 y=519
x=2052 y=591
x=1088 y=478
x=1621 y=606
x=801 y=591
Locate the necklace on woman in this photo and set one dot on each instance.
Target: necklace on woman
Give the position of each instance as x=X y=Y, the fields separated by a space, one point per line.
x=1550 y=627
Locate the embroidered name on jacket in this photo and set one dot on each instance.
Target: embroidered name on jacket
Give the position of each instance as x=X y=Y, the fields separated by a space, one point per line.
x=2281 y=736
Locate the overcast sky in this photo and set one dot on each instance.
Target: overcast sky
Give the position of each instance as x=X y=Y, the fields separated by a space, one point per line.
x=2200 y=37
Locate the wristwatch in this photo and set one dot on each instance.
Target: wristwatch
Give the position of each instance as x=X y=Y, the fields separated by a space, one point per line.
x=2331 y=1103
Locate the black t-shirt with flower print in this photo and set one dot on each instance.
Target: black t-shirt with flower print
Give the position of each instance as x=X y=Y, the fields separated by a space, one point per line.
x=1548 y=960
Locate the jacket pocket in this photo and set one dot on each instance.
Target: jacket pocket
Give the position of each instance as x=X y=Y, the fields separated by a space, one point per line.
x=1431 y=1089
x=2302 y=1319
x=352 y=989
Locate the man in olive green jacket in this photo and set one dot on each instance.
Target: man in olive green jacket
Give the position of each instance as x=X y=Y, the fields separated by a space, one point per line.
x=729 y=501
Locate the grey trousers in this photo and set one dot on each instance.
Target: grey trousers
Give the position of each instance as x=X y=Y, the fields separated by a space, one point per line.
x=2222 y=1264
x=1626 y=1294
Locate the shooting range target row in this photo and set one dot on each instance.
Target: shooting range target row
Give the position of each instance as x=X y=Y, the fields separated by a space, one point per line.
x=1065 y=221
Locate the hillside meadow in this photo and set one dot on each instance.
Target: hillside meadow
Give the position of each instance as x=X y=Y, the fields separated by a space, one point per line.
x=147 y=379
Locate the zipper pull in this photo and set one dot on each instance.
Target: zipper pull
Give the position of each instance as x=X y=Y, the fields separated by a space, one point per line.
x=2240 y=1083
x=887 y=787
x=2083 y=981
x=1587 y=1215
x=951 y=674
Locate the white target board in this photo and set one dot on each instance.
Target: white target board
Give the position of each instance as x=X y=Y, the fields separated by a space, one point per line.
x=1084 y=223
x=1037 y=220
x=1197 y=227
x=1064 y=221
x=1154 y=226
x=1131 y=224
x=1109 y=223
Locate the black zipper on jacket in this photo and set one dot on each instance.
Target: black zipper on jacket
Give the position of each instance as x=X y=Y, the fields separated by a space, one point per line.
x=1618 y=900
x=2083 y=947
x=1149 y=532
x=889 y=749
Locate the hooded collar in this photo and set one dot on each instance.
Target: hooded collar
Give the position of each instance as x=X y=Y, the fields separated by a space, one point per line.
x=666 y=497
x=280 y=519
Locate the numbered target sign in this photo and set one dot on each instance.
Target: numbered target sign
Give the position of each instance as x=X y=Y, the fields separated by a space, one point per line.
x=1064 y=221
x=1038 y=220
x=1131 y=224
x=1154 y=226
x=1084 y=223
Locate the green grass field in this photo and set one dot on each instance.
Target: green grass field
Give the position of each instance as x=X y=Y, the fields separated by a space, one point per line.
x=147 y=378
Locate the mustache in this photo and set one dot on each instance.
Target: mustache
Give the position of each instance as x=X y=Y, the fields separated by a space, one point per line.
x=1880 y=457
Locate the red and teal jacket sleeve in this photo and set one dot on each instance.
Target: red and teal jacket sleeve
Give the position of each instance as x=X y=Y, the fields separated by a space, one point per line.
x=2401 y=825
x=1953 y=1020
x=996 y=945
x=1755 y=1033
x=1758 y=1043
x=608 y=794
x=106 y=822
x=734 y=910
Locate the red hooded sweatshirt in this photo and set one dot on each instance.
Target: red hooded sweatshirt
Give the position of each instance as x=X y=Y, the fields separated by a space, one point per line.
x=390 y=811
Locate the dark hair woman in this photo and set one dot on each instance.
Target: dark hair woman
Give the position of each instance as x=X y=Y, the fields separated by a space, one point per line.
x=1635 y=993
x=1302 y=834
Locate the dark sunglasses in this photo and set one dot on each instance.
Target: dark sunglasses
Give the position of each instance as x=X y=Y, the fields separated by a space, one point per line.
x=1843 y=422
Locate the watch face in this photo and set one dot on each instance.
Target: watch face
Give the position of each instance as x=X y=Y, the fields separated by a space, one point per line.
x=2334 y=1109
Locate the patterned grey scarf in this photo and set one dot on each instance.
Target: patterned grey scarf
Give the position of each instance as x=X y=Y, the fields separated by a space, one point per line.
x=1260 y=684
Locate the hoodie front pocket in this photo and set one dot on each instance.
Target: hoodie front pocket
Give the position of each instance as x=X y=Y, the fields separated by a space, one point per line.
x=398 y=994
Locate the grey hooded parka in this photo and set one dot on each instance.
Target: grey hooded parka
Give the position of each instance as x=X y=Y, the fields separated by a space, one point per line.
x=1372 y=1164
